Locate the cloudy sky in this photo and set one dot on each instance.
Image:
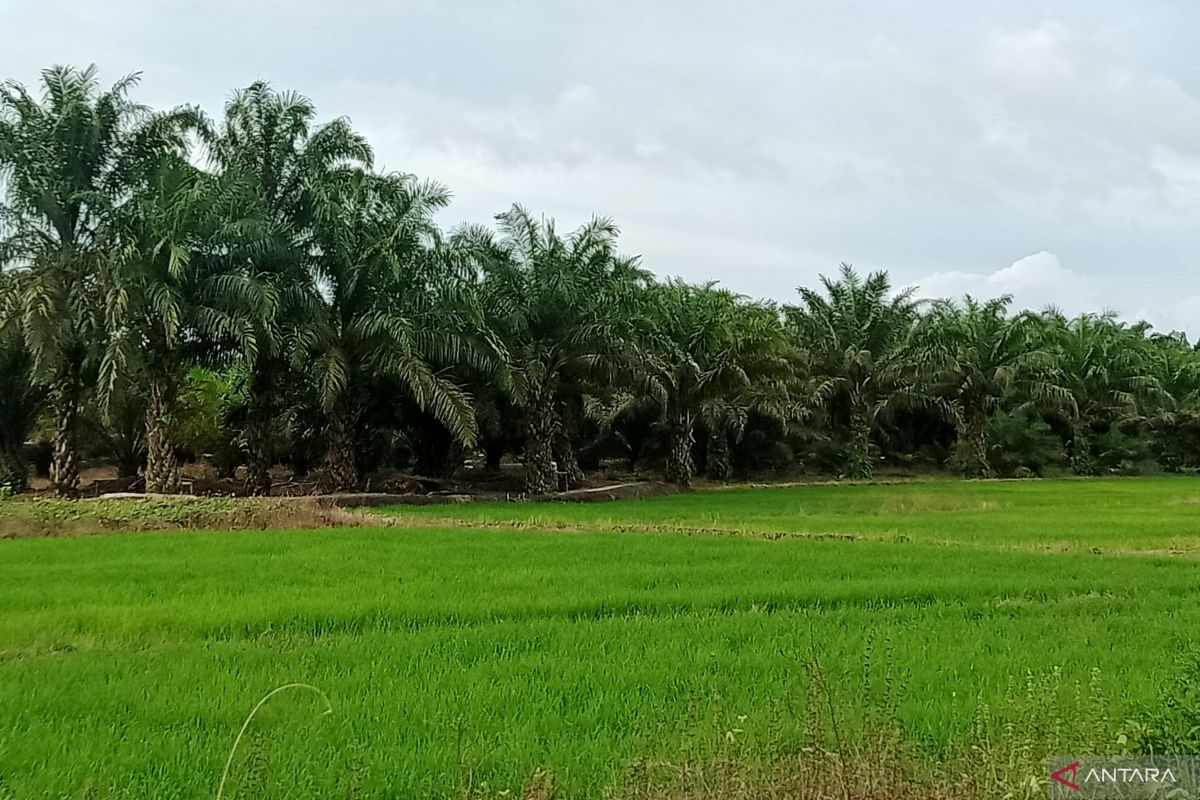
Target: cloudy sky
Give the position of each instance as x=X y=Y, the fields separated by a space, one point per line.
x=1050 y=150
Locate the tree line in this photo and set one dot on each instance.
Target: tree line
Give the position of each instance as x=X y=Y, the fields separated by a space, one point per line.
x=251 y=290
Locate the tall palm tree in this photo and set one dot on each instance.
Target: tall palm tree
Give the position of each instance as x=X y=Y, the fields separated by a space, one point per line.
x=173 y=296
x=973 y=356
x=561 y=305
x=270 y=145
x=710 y=359
x=390 y=309
x=856 y=336
x=68 y=158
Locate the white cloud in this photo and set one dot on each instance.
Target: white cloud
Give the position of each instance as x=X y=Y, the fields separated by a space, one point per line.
x=1034 y=282
x=1040 y=280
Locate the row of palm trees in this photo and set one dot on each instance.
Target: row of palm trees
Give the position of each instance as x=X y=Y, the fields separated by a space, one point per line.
x=258 y=265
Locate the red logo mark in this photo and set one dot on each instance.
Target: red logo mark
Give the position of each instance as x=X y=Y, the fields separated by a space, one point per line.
x=1071 y=768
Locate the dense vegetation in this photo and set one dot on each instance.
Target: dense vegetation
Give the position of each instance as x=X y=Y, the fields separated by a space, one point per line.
x=249 y=290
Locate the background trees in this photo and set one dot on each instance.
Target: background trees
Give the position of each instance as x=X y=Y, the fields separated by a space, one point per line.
x=1107 y=378
x=252 y=295
x=20 y=397
x=173 y=298
x=378 y=317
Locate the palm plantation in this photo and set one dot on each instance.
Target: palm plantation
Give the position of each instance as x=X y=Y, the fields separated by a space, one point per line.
x=711 y=359
x=1106 y=377
x=170 y=289
x=253 y=295
x=377 y=316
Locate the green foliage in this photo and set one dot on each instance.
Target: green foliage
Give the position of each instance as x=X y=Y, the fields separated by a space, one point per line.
x=391 y=307
x=974 y=357
x=20 y=404
x=857 y=336
x=1021 y=445
x=207 y=405
x=1172 y=724
x=710 y=359
x=69 y=159
x=563 y=307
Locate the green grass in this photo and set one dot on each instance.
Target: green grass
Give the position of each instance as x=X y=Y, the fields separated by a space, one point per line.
x=1120 y=514
x=453 y=655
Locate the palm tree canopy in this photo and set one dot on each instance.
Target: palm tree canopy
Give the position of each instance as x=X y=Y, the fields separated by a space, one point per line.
x=389 y=301
x=562 y=304
x=854 y=334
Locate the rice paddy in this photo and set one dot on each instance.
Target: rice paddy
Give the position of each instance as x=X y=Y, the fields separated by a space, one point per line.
x=482 y=650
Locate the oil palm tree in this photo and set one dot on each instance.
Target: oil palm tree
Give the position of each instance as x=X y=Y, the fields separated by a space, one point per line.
x=975 y=355
x=270 y=146
x=856 y=337
x=561 y=305
x=389 y=309
x=68 y=158
x=174 y=297
x=710 y=358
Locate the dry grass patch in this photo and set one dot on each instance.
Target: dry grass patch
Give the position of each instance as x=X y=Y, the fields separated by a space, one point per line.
x=29 y=517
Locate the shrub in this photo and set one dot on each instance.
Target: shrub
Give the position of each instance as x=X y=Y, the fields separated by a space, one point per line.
x=1020 y=444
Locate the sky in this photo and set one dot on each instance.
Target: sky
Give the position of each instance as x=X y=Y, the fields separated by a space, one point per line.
x=1048 y=150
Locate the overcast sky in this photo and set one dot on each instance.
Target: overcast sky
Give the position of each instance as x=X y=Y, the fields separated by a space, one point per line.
x=1050 y=150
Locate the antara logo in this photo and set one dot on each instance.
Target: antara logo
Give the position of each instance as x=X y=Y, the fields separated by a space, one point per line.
x=1129 y=775
x=1071 y=768
x=1069 y=774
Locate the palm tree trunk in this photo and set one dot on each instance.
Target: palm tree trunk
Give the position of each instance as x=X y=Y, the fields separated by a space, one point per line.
x=680 y=465
x=570 y=476
x=258 y=475
x=860 y=464
x=541 y=473
x=258 y=448
x=720 y=464
x=972 y=446
x=64 y=465
x=258 y=436
x=162 y=464
x=340 y=463
x=14 y=472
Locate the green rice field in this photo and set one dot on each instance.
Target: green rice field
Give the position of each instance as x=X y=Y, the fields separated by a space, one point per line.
x=479 y=650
